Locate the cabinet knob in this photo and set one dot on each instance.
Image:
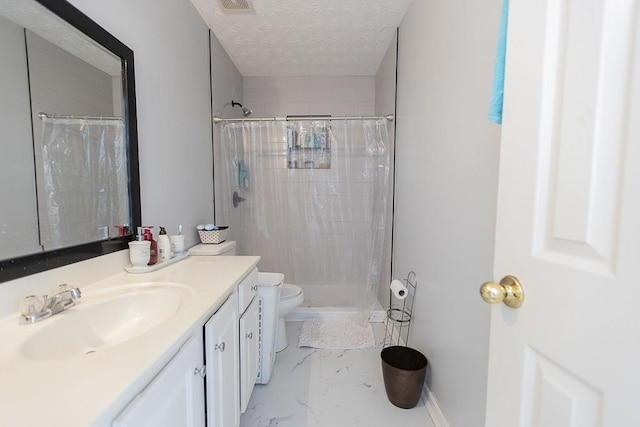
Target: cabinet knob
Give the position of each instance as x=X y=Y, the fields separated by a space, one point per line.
x=250 y=335
x=201 y=371
x=219 y=346
x=254 y=288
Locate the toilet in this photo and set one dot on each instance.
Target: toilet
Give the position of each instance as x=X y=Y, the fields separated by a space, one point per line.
x=226 y=248
x=291 y=296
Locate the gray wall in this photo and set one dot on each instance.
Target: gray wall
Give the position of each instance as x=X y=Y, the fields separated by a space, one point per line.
x=171 y=49
x=447 y=163
x=19 y=223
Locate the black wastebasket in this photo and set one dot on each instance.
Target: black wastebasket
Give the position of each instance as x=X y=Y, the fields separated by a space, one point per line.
x=403 y=371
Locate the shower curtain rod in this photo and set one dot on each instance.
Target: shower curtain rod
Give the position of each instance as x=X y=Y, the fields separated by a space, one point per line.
x=218 y=120
x=43 y=116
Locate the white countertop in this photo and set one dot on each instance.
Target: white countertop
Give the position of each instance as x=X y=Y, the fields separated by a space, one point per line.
x=91 y=389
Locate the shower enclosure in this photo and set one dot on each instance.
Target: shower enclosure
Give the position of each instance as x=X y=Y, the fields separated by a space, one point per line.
x=311 y=197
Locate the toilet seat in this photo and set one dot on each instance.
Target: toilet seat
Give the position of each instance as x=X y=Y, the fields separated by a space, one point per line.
x=289 y=291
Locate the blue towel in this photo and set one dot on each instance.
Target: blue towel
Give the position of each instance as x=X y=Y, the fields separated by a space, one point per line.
x=495 y=108
x=243 y=175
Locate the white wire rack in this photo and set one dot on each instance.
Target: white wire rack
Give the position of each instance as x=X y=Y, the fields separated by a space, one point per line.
x=399 y=314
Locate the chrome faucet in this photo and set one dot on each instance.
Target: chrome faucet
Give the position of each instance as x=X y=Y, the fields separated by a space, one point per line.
x=36 y=308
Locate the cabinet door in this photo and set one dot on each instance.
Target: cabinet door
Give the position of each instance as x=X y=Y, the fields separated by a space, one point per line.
x=221 y=342
x=248 y=353
x=175 y=397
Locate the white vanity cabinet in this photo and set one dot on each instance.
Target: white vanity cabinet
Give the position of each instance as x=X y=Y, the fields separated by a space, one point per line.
x=248 y=307
x=231 y=349
x=225 y=360
x=175 y=397
x=222 y=361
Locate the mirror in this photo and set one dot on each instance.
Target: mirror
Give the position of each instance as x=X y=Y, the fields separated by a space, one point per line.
x=69 y=172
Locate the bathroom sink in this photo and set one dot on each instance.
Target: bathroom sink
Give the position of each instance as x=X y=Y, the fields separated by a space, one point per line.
x=107 y=321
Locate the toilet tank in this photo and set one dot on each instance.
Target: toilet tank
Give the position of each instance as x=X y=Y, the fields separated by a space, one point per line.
x=226 y=248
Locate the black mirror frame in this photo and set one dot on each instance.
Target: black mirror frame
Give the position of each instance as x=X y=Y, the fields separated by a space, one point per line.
x=31 y=264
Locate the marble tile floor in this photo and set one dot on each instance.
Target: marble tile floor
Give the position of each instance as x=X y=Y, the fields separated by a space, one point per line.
x=328 y=388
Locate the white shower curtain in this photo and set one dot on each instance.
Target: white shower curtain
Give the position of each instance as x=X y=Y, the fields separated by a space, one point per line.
x=316 y=203
x=82 y=181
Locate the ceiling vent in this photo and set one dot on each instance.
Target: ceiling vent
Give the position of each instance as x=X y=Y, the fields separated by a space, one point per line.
x=236 y=6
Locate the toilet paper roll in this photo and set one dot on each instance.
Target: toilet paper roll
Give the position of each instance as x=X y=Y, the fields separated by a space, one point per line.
x=399 y=289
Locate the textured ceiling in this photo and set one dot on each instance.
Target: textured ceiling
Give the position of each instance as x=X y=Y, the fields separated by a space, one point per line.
x=306 y=37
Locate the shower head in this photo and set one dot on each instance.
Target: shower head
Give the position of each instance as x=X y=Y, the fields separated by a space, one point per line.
x=245 y=111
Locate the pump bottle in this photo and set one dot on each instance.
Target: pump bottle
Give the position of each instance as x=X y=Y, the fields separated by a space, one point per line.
x=164 y=246
x=153 y=252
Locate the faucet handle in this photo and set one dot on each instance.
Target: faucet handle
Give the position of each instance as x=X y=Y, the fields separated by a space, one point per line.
x=32 y=304
x=73 y=292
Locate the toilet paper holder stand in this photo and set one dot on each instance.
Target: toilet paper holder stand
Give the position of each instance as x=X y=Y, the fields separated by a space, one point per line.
x=399 y=314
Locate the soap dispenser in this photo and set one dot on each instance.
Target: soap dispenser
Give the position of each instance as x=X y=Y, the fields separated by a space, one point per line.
x=153 y=250
x=164 y=246
x=139 y=250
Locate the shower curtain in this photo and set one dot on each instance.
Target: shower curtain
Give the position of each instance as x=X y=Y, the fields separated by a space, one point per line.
x=316 y=203
x=82 y=181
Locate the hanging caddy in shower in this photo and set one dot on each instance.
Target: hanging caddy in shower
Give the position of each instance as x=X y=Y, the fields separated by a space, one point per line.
x=308 y=145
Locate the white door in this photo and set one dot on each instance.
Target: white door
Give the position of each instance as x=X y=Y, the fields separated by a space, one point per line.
x=569 y=218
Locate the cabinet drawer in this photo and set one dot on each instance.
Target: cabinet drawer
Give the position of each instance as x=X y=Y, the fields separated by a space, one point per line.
x=247 y=290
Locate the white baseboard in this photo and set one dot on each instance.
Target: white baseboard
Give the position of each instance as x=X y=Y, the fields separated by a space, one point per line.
x=433 y=408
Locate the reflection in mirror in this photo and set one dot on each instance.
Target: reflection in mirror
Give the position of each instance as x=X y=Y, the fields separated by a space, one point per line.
x=18 y=211
x=69 y=174
x=81 y=178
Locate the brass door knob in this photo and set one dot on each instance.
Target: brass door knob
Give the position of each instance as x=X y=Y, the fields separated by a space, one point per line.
x=509 y=291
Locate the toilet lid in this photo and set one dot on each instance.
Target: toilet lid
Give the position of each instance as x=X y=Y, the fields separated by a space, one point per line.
x=211 y=249
x=289 y=291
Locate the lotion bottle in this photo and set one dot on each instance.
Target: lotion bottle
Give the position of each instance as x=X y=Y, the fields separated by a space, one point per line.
x=153 y=250
x=164 y=246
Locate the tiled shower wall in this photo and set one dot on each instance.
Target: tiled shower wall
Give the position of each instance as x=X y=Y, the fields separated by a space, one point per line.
x=336 y=96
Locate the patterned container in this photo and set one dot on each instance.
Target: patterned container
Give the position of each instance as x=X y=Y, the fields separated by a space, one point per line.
x=213 y=236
